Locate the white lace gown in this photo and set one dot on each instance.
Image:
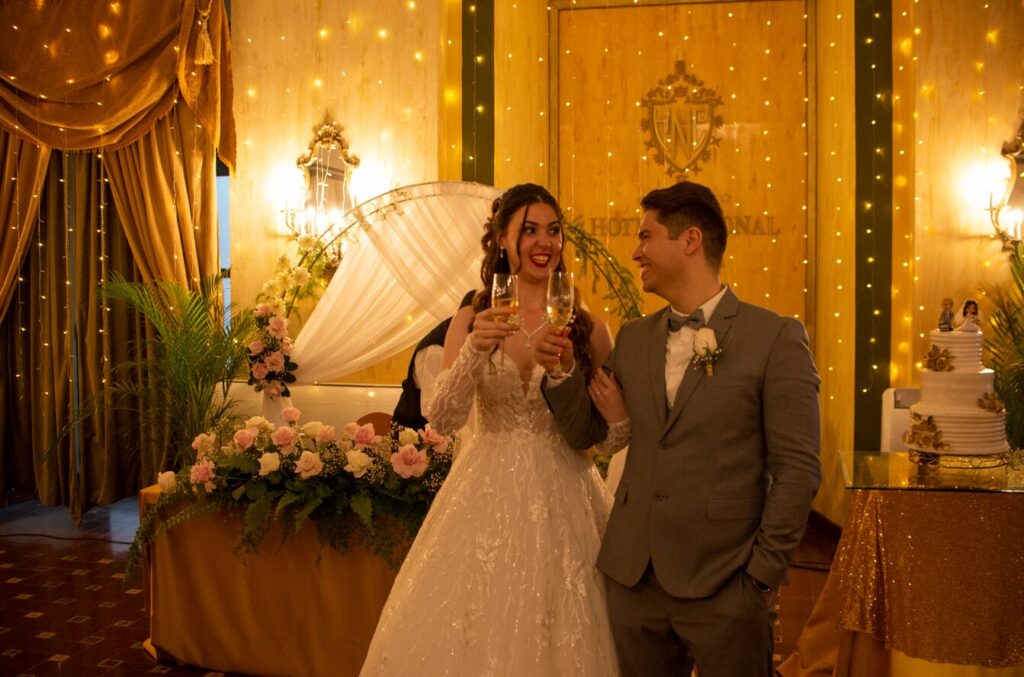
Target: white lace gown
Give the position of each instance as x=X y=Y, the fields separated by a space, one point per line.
x=501 y=579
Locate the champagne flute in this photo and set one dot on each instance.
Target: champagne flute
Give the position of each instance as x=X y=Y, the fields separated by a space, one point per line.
x=561 y=292
x=505 y=294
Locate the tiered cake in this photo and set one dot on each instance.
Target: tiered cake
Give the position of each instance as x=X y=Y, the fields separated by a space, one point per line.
x=958 y=412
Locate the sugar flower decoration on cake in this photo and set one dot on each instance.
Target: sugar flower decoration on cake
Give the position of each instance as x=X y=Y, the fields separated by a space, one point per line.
x=706 y=350
x=924 y=434
x=989 y=402
x=939 y=360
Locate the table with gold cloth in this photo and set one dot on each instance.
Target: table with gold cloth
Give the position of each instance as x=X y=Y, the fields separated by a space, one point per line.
x=928 y=578
x=294 y=608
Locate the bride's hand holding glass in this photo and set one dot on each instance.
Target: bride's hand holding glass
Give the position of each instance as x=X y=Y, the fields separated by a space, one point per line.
x=490 y=328
x=553 y=350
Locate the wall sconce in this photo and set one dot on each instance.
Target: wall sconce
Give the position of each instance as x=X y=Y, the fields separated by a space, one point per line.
x=327 y=167
x=1008 y=212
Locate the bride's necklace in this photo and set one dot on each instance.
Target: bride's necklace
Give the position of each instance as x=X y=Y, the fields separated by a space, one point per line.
x=531 y=334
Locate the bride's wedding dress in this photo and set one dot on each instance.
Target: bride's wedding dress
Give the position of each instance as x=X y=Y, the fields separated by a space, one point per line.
x=501 y=578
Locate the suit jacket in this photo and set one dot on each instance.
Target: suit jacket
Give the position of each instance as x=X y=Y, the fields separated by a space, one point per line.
x=724 y=481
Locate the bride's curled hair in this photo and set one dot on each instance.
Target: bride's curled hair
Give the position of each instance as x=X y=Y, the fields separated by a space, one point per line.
x=496 y=261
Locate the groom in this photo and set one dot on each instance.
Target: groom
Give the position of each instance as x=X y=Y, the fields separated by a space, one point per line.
x=723 y=461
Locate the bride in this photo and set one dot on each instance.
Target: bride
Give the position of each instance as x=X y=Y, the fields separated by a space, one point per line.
x=501 y=578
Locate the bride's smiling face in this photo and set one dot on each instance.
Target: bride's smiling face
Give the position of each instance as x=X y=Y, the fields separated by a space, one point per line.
x=538 y=232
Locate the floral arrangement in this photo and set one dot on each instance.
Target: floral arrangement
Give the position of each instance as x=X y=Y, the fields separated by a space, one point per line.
x=270 y=365
x=297 y=472
x=706 y=350
x=939 y=360
x=924 y=434
x=990 y=402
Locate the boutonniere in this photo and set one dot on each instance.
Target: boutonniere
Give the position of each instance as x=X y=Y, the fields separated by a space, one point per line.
x=706 y=350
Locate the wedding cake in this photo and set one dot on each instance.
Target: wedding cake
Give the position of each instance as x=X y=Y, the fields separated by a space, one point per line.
x=958 y=412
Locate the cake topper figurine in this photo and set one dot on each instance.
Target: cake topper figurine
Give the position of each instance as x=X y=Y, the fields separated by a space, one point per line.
x=946 y=317
x=968 y=320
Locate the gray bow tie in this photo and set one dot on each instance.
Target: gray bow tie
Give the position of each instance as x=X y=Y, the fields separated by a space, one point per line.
x=694 y=320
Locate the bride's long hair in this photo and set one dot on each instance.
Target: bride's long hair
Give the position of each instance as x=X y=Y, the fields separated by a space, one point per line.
x=496 y=261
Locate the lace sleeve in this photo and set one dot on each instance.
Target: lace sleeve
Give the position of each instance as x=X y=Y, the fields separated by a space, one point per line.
x=456 y=388
x=617 y=438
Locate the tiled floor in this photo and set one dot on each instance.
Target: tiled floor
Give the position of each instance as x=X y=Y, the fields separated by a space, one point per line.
x=64 y=609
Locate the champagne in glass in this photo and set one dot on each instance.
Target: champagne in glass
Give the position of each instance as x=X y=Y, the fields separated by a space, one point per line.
x=560 y=302
x=505 y=294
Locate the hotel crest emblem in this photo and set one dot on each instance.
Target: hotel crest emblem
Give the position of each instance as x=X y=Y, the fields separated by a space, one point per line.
x=680 y=122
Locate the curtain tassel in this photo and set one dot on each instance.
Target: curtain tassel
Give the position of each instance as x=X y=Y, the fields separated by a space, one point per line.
x=204 y=50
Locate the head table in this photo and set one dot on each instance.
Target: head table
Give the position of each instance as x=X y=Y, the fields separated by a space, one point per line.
x=296 y=607
x=928 y=578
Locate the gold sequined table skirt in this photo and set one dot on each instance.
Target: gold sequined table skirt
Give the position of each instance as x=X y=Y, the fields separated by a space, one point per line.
x=293 y=608
x=921 y=579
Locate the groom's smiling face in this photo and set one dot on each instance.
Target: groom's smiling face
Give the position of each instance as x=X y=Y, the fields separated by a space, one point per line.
x=659 y=256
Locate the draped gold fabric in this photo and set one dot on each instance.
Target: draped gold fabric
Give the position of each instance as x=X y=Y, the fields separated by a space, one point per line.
x=62 y=340
x=24 y=170
x=98 y=75
x=164 y=187
x=923 y=583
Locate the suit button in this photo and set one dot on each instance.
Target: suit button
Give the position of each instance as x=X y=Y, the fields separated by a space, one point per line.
x=663 y=445
x=658 y=496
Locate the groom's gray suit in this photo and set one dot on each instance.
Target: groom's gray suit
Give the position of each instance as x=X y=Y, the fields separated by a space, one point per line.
x=722 y=483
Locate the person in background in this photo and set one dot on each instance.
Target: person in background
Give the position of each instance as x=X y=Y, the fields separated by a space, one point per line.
x=421 y=377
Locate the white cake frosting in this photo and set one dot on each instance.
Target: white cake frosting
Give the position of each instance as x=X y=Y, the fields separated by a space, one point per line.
x=951 y=400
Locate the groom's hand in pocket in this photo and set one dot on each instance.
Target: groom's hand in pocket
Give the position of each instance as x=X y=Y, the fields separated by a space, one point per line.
x=554 y=350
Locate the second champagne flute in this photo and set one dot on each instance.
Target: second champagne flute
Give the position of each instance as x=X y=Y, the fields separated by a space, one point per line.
x=560 y=302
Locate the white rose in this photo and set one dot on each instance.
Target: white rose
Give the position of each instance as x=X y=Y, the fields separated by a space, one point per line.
x=312 y=428
x=166 y=480
x=269 y=463
x=705 y=342
x=408 y=436
x=256 y=422
x=358 y=462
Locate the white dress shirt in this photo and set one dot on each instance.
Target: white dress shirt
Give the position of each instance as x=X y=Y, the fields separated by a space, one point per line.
x=679 y=349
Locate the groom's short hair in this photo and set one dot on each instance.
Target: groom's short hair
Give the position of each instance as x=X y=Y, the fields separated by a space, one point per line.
x=689 y=204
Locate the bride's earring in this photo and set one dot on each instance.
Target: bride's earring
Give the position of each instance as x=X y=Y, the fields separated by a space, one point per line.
x=502 y=266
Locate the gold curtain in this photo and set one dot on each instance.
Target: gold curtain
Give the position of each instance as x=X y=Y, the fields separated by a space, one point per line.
x=98 y=75
x=23 y=175
x=62 y=340
x=164 y=186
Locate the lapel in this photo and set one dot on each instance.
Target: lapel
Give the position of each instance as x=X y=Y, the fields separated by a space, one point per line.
x=720 y=323
x=657 y=339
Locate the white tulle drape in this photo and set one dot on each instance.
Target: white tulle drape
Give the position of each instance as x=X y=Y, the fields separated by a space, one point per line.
x=416 y=254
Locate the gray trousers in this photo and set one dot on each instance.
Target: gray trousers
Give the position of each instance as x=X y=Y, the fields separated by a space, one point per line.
x=728 y=634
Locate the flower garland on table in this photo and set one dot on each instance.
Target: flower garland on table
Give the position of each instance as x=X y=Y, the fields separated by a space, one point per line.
x=297 y=472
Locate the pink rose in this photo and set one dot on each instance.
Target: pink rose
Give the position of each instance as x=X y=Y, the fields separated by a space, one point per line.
x=262 y=310
x=286 y=346
x=274 y=361
x=257 y=347
x=203 y=444
x=409 y=461
x=326 y=434
x=308 y=465
x=284 y=436
x=290 y=414
x=364 y=435
x=259 y=371
x=203 y=473
x=273 y=391
x=433 y=438
x=278 y=327
x=244 y=438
